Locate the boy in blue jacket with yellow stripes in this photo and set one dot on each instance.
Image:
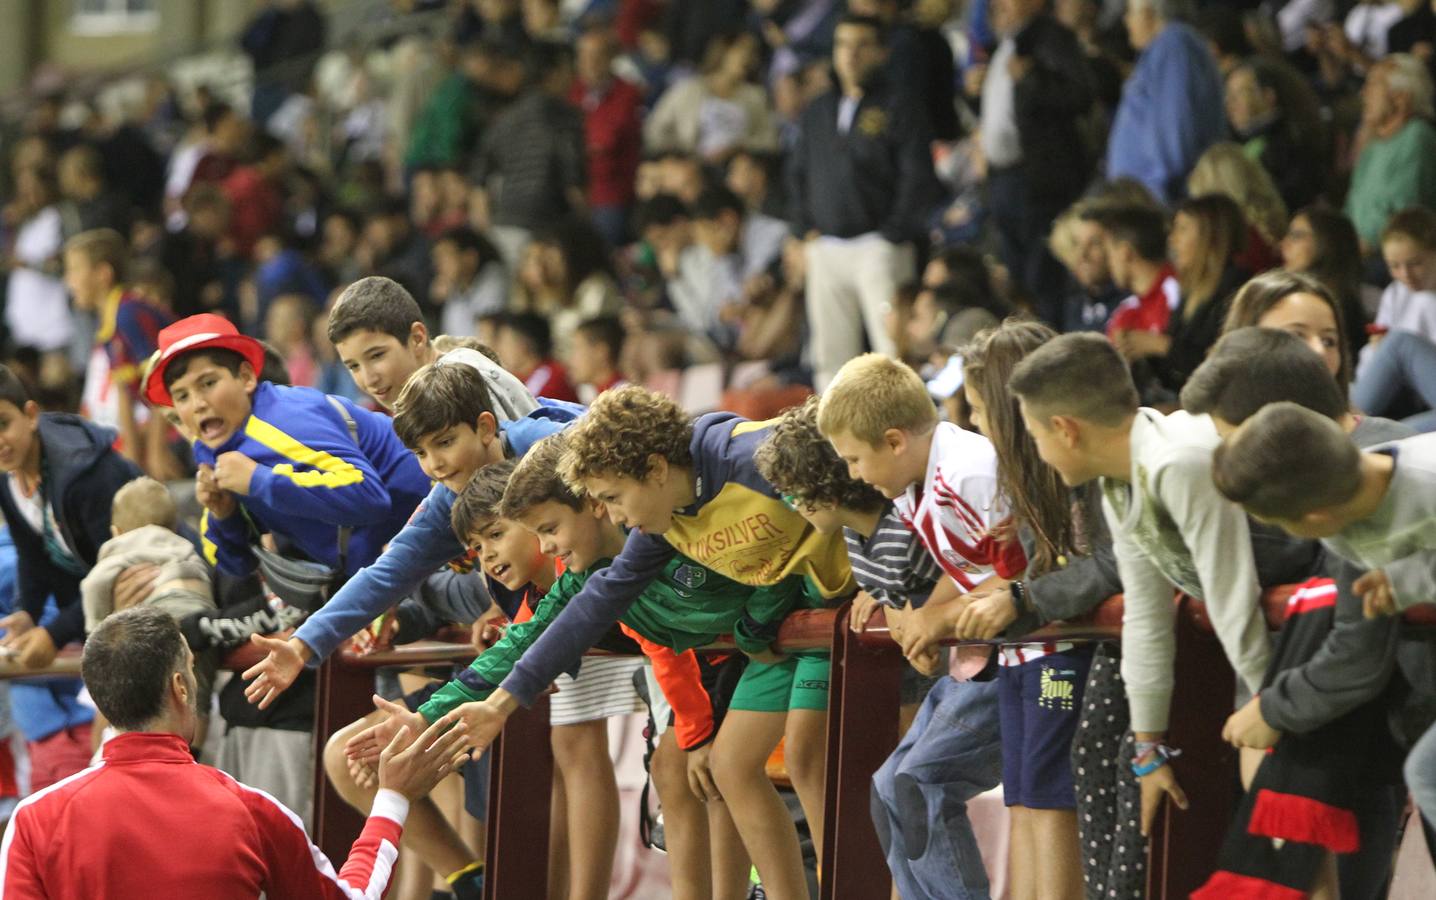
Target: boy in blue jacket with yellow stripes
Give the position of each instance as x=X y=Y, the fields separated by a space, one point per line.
x=278 y=459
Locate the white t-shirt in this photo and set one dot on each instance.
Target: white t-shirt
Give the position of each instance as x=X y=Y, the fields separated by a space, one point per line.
x=37 y=308
x=1403 y=309
x=31 y=511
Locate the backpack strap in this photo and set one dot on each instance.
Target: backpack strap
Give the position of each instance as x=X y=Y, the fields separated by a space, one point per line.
x=345 y=531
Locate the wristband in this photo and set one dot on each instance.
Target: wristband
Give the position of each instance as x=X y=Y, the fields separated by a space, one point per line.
x=1019 y=597
x=1159 y=756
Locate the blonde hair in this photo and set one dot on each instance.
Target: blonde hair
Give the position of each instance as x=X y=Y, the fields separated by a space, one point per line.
x=871 y=395
x=142 y=502
x=1226 y=169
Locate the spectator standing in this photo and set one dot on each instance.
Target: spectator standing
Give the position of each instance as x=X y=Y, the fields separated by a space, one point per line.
x=612 y=132
x=1034 y=95
x=283 y=42
x=453 y=115
x=860 y=186
x=37 y=312
x=1396 y=165
x=919 y=58
x=255 y=193
x=1171 y=108
x=531 y=162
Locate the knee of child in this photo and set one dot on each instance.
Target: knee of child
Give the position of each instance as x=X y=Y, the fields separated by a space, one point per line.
x=575 y=745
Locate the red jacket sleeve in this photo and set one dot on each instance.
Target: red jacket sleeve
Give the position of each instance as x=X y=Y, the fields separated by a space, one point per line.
x=679 y=675
x=298 y=870
x=21 y=878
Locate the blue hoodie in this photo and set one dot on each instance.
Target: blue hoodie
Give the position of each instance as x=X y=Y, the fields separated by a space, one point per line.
x=1171 y=112
x=738 y=527
x=424 y=544
x=312 y=479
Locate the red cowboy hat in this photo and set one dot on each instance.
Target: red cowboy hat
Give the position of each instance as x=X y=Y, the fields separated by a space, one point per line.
x=205 y=330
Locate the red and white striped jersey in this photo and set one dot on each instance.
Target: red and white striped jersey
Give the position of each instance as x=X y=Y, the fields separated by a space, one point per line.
x=958 y=506
x=149 y=821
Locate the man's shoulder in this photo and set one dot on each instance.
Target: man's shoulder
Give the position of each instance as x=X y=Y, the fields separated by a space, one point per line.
x=957 y=453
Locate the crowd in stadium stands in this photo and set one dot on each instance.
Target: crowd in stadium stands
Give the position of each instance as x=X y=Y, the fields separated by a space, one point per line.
x=632 y=324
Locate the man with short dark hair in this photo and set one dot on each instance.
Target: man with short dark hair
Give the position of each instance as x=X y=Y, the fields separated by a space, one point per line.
x=150 y=821
x=861 y=183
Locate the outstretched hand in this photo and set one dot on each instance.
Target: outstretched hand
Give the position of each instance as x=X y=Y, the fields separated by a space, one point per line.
x=413 y=766
x=368 y=745
x=277 y=671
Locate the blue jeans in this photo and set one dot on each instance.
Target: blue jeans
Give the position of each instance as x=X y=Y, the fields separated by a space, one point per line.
x=1420 y=772
x=1403 y=360
x=951 y=754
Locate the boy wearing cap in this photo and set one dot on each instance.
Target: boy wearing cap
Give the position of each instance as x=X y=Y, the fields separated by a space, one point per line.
x=279 y=459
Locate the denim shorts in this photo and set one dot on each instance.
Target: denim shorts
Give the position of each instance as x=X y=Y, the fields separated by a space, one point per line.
x=1039 y=706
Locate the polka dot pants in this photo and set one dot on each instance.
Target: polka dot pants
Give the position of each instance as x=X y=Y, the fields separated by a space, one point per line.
x=1109 y=801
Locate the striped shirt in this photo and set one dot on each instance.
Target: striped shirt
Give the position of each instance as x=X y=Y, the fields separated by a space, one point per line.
x=892 y=565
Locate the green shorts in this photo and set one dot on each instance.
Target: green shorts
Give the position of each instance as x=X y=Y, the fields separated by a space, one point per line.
x=798 y=682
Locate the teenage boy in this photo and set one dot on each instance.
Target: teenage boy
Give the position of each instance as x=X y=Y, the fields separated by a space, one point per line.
x=1170 y=530
x=279 y=459
x=60 y=476
x=690 y=487
x=685 y=608
x=1323 y=696
x=594 y=356
x=925 y=846
x=379 y=333
x=96 y=265
x=525 y=344
x=1135 y=241
x=444 y=415
x=1375 y=508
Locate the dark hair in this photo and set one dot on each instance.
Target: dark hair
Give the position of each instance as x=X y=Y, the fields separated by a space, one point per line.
x=605 y=330
x=128 y=662
x=582 y=247
x=1080 y=375
x=1144 y=227
x=969 y=283
x=534 y=330
x=1261 y=294
x=660 y=209
x=263 y=145
x=714 y=201
x=1287 y=461
x=377 y=304
x=467 y=240
x=480 y=499
x=546 y=57
x=215 y=111
x=873 y=22
x=439 y=396
x=12 y=389
x=1336 y=262
x=225 y=359
x=1416 y=223
x=276 y=370
x=797 y=459
x=535 y=480
x=1252 y=367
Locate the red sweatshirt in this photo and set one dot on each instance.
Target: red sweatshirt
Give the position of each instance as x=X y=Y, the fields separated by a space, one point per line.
x=151 y=822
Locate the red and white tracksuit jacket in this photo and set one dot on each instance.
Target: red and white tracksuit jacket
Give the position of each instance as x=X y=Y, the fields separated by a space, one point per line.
x=151 y=822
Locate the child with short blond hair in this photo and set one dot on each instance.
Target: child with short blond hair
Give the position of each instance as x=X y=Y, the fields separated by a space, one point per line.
x=143 y=521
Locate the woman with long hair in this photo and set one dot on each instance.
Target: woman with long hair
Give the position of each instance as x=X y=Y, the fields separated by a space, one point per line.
x=1070 y=570
x=1207 y=234
x=1322 y=242
x=566 y=275
x=1301 y=304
